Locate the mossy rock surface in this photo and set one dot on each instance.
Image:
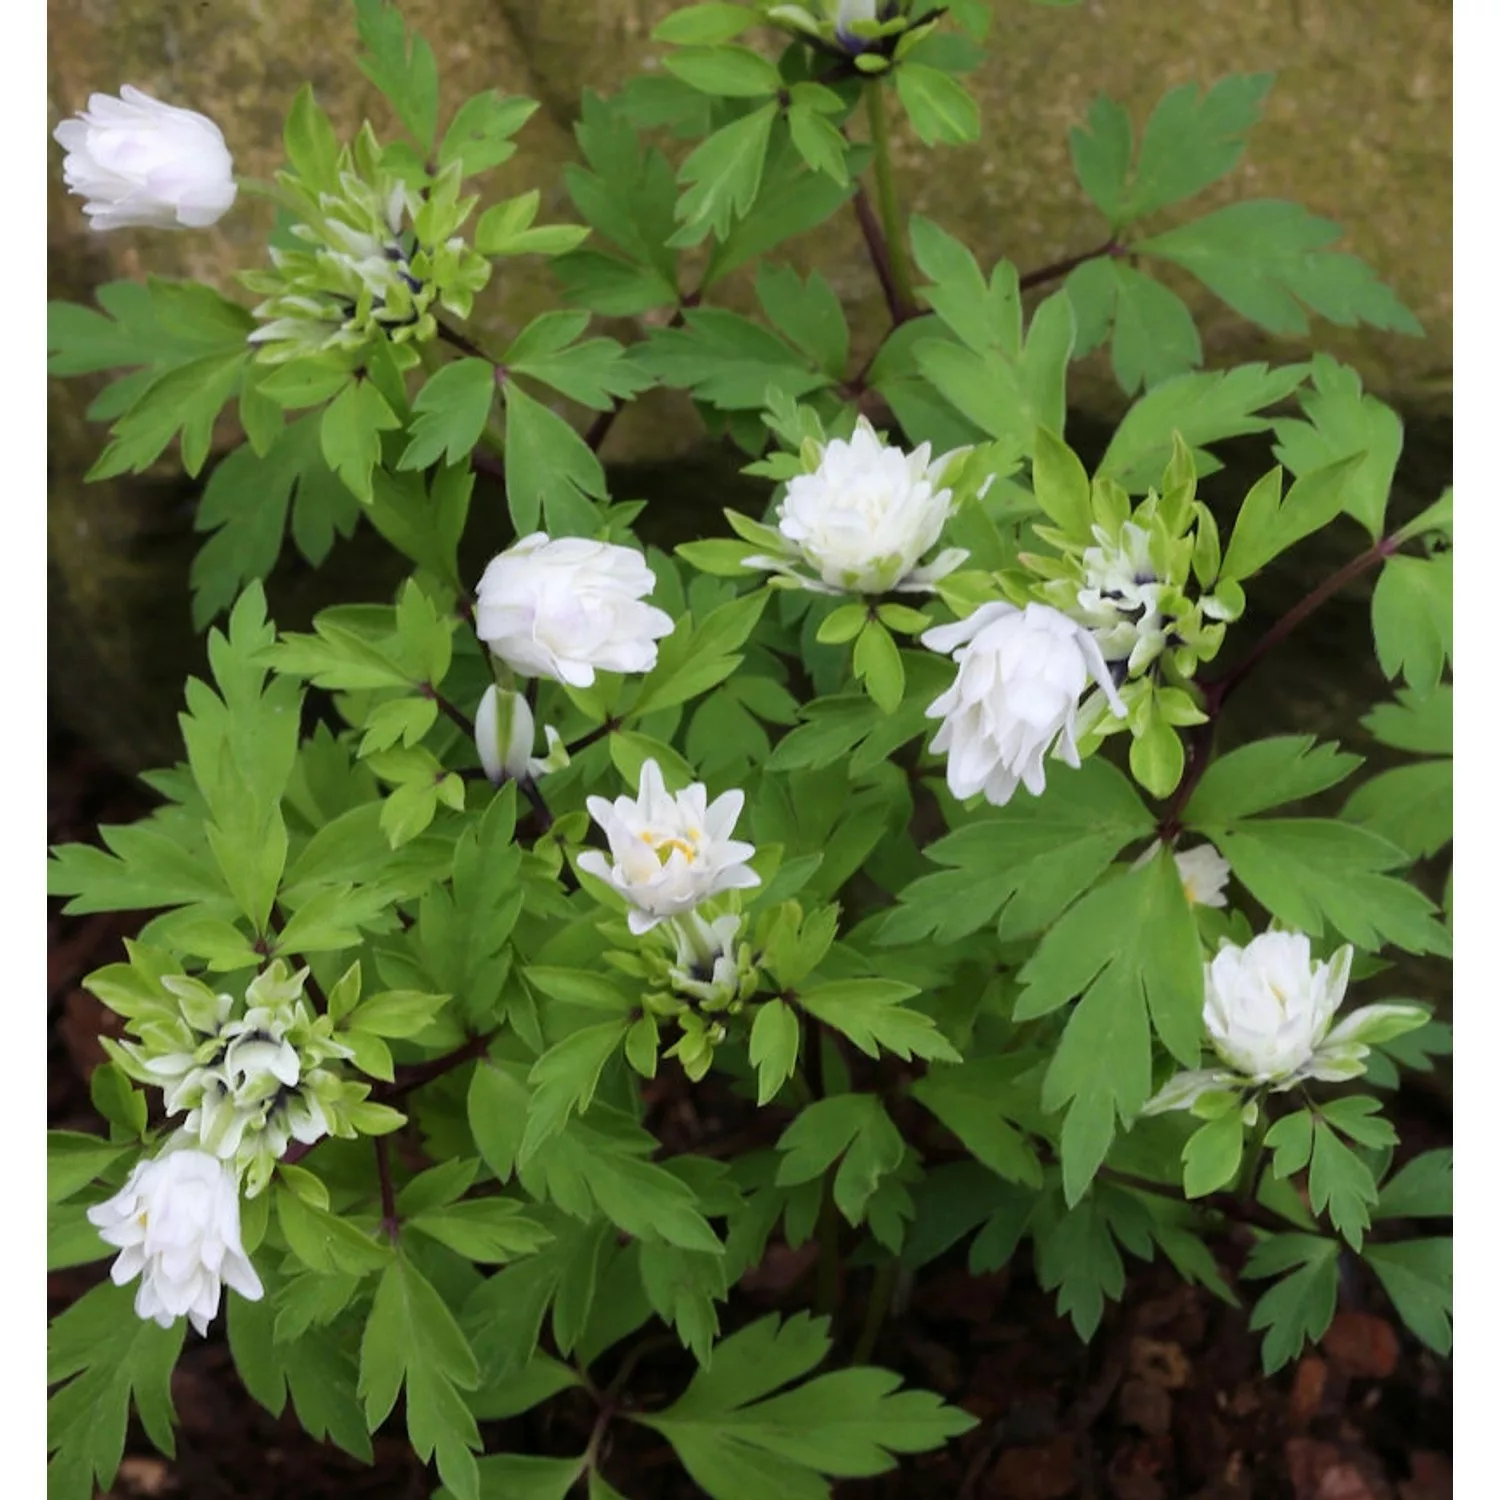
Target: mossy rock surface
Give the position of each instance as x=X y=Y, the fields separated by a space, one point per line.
x=1357 y=129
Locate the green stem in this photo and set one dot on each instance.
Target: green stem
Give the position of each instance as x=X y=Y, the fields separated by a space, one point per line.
x=885 y=192
x=1248 y=1186
x=882 y=1289
x=825 y=1304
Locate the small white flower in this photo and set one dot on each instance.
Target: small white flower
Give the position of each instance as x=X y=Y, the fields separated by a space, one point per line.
x=850 y=11
x=566 y=608
x=863 y=519
x=177 y=1225
x=670 y=852
x=1021 y=674
x=137 y=161
x=1204 y=873
x=1269 y=1012
x=1121 y=597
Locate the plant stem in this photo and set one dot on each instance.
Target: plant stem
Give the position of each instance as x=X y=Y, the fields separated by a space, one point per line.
x=900 y=292
x=882 y=1288
x=1218 y=692
x=451 y=710
x=390 y=1223
x=1060 y=268
x=826 y=1301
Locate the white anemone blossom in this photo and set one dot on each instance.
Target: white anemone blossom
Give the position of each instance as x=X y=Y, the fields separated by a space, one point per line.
x=567 y=607
x=137 y=161
x=861 y=522
x=1021 y=675
x=670 y=853
x=1269 y=1011
x=176 y=1223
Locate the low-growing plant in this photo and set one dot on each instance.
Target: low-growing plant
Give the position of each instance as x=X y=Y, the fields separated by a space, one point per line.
x=889 y=819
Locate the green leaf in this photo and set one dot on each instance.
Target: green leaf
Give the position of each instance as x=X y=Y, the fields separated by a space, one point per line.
x=350 y=434
x=325 y=1242
x=1412 y=615
x=452 y=409
x=1155 y=336
x=1076 y=1256
x=1061 y=484
x=1410 y=806
x=401 y=66
x=705 y=25
x=1203 y=408
x=483 y=1229
x=1027 y=861
x=723 y=176
x=726 y=360
x=809 y=314
x=478 y=136
x=1101 y=156
x=820 y=143
x=1265 y=774
x=774 y=1040
x=412 y=1339
x=1340 y=1183
x=109 y=1358
x=1422 y=1189
x=870 y=1013
x=520 y=1476
x=246 y=505
x=1342 y=421
x=565 y=1077
x=971 y=1100
x=877 y=663
x=1191 y=141
x=938 y=106
x=726 y=72
x=1418 y=1277
x=1421 y=724
x=739 y=1442
x=1211 y=1157
x=1266 y=258
x=1301 y=1305
x=1130 y=948
x=854 y=1127
x=75 y=1160
x=1308 y=872
x=551 y=476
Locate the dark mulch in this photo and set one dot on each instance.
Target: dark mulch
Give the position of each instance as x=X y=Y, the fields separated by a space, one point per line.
x=1168 y=1400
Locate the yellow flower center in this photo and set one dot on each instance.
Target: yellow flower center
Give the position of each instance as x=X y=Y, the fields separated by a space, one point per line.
x=663 y=847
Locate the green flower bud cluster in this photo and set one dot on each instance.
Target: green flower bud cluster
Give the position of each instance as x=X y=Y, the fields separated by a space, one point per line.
x=699 y=986
x=1144 y=580
x=381 y=255
x=250 y=1075
x=867 y=30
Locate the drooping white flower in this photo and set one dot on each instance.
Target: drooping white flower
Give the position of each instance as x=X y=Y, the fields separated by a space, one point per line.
x=177 y=1225
x=137 y=161
x=1269 y=1013
x=1121 y=598
x=1021 y=675
x=565 y=608
x=1203 y=870
x=670 y=852
x=863 y=519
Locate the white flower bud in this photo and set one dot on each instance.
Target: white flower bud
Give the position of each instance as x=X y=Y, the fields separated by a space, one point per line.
x=1021 y=674
x=670 y=852
x=504 y=731
x=177 y=1225
x=865 y=516
x=137 y=161
x=566 y=608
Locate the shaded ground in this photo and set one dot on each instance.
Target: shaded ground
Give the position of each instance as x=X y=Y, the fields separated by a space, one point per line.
x=1167 y=1401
